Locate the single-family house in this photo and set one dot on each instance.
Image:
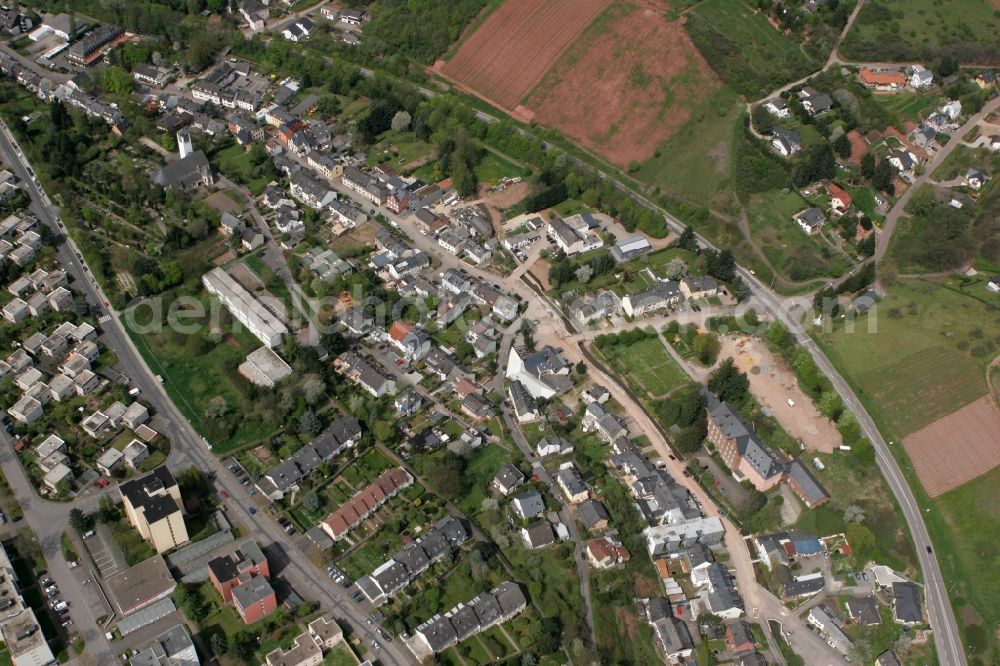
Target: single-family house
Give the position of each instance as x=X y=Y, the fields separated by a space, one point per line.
x=508 y=479
x=606 y=552
x=528 y=505
x=811 y=220
x=538 y=535
x=921 y=77
x=778 y=107
x=840 y=200
x=974 y=178
x=885 y=80
x=786 y=142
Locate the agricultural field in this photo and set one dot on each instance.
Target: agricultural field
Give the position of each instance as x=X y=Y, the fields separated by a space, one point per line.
x=630 y=81
x=516 y=44
x=922 y=355
x=905 y=30
x=930 y=333
x=963 y=524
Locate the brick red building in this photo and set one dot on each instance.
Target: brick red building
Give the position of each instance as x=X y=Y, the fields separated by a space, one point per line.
x=242 y=579
x=740 y=447
x=254 y=598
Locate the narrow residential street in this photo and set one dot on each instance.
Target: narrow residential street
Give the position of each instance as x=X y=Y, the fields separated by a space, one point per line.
x=899 y=209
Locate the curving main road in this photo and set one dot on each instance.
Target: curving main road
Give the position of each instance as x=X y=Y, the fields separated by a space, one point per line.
x=49 y=519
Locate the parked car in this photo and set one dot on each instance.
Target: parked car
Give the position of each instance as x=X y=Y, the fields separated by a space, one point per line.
x=252 y=510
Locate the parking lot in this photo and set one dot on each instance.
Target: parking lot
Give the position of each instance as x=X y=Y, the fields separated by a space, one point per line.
x=105 y=556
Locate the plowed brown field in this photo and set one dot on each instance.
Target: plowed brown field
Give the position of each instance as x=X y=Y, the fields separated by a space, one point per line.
x=514 y=47
x=956 y=448
x=626 y=85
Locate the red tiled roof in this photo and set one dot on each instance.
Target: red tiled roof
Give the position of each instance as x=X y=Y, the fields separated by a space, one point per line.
x=365 y=501
x=871 y=77
x=399 y=329
x=838 y=193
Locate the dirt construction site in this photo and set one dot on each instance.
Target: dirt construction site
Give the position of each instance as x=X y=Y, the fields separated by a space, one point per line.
x=776 y=388
x=956 y=448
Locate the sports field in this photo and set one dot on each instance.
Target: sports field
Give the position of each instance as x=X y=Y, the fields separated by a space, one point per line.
x=649 y=366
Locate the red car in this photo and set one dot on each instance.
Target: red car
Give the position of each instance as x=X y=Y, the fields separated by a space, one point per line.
x=224 y=495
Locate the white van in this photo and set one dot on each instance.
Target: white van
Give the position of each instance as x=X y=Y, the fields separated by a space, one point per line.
x=134 y=392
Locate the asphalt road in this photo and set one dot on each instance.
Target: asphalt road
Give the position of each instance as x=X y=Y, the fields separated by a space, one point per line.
x=49 y=519
x=940 y=614
x=941 y=617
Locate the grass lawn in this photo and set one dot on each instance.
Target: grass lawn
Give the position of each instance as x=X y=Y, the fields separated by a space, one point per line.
x=481 y=467
x=927 y=357
x=649 y=365
x=340 y=655
x=903 y=30
x=399 y=149
x=235 y=163
x=907 y=105
x=786 y=246
x=363 y=560
x=271 y=280
x=194 y=375
x=692 y=163
x=963 y=524
x=963 y=158
x=493 y=167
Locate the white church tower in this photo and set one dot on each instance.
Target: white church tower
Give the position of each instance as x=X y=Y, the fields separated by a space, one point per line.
x=184 y=143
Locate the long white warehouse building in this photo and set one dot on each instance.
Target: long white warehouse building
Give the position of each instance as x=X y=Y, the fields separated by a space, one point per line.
x=244 y=307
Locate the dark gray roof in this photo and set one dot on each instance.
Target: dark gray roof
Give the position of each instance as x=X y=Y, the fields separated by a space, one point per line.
x=539 y=534
x=808 y=484
x=799 y=588
x=185 y=172
x=529 y=504
x=591 y=512
x=756 y=452
x=509 y=477
x=888 y=658
x=257 y=589
x=741 y=633
x=906 y=602
x=864 y=610
x=140 y=494
x=672 y=635
x=813 y=217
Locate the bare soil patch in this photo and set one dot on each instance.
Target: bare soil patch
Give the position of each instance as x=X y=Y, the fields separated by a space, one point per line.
x=514 y=47
x=223 y=203
x=774 y=385
x=859 y=147
x=246 y=277
x=956 y=448
x=626 y=86
x=497 y=202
